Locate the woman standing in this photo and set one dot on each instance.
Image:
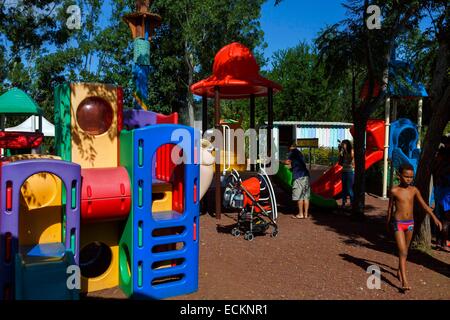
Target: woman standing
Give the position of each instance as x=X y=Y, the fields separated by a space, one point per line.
x=346 y=160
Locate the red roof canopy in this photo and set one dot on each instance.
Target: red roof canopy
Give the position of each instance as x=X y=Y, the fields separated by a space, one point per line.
x=236 y=72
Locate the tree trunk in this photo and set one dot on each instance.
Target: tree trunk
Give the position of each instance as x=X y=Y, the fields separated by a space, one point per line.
x=438 y=121
x=440 y=95
x=190 y=100
x=422 y=238
x=359 y=135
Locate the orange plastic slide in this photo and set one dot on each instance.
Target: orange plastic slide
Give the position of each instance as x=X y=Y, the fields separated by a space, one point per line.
x=329 y=185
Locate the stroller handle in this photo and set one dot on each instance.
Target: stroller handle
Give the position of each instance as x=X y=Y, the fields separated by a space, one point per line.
x=236 y=175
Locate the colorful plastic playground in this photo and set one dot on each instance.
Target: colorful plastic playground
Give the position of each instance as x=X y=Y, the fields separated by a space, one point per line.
x=121 y=197
x=114 y=200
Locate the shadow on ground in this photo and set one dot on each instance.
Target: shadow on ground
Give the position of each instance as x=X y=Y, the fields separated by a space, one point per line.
x=365 y=264
x=371 y=233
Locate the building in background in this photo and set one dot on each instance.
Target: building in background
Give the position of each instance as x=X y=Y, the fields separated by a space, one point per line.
x=328 y=133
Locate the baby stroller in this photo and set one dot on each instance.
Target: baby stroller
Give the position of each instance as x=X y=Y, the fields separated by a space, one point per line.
x=256 y=201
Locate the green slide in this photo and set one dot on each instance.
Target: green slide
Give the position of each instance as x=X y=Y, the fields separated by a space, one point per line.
x=284 y=177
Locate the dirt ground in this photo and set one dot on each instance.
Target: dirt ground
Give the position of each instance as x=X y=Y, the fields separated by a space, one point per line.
x=324 y=257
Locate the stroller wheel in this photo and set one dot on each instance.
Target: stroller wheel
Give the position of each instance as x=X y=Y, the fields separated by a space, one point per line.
x=236 y=232
x=274 y=233
x=249 y=236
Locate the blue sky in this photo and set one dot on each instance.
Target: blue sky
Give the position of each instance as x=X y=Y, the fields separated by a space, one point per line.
x=285 y=25
x=289 y=23
x=293 y=21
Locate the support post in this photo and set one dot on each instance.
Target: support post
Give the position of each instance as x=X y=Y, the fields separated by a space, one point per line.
x=204 y=202
x=393 y=118
x=204 y=114
x=2 y=122
x=387 y=114
x=269 y=122
x=252 y=123
x=310 y=160
x=218 y=150
x=419 y=120
x=40 y=124
x=394 y=110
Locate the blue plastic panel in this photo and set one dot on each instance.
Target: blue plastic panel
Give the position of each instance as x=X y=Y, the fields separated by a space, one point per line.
x=143 y=258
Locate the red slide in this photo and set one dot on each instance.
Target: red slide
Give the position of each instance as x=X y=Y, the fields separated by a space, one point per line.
x=329 y=185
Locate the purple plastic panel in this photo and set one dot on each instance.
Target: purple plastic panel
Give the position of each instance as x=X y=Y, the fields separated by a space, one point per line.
x=134 y=119
x=17 y=173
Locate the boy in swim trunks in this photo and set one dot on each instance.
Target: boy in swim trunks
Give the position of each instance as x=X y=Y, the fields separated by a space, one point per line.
x=403 y=197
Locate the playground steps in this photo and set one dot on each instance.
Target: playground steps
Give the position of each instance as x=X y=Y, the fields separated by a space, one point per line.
x=27 y=268
x=41 y=273
x=162 y=196
x=159 y=248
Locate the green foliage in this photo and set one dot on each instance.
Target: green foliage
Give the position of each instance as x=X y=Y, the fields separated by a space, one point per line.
x=307 y=93
x=447 y=129
x=350 y=49
x=322 y=156
x=39 y=51
x=184 y=47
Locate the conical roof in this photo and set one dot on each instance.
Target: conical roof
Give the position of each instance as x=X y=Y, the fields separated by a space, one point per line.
x=236 y=72
x=15 y=101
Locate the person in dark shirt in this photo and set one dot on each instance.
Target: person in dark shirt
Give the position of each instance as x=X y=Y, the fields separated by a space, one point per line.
x=301 y=189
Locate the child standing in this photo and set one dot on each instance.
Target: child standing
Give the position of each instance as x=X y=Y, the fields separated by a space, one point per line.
x=301 y=189
x=403 y=197
x=346 y=160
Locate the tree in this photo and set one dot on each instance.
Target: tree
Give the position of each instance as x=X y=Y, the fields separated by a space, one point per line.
x=25 y=29
x=307 y=93
x=43 y=52
x=435 y=60
x=185 y=45
x=350 y=47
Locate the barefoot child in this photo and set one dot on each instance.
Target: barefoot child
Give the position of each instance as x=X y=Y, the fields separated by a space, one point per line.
x=402 y=197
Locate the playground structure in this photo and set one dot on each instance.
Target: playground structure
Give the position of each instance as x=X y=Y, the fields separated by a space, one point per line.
x=329 y=185
x=229 y=156
x=401 y=86
x=397 y=145
x=120 y=200
x=16 y=102
x=403 y=141
x=235 y=76
x=116 y=201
